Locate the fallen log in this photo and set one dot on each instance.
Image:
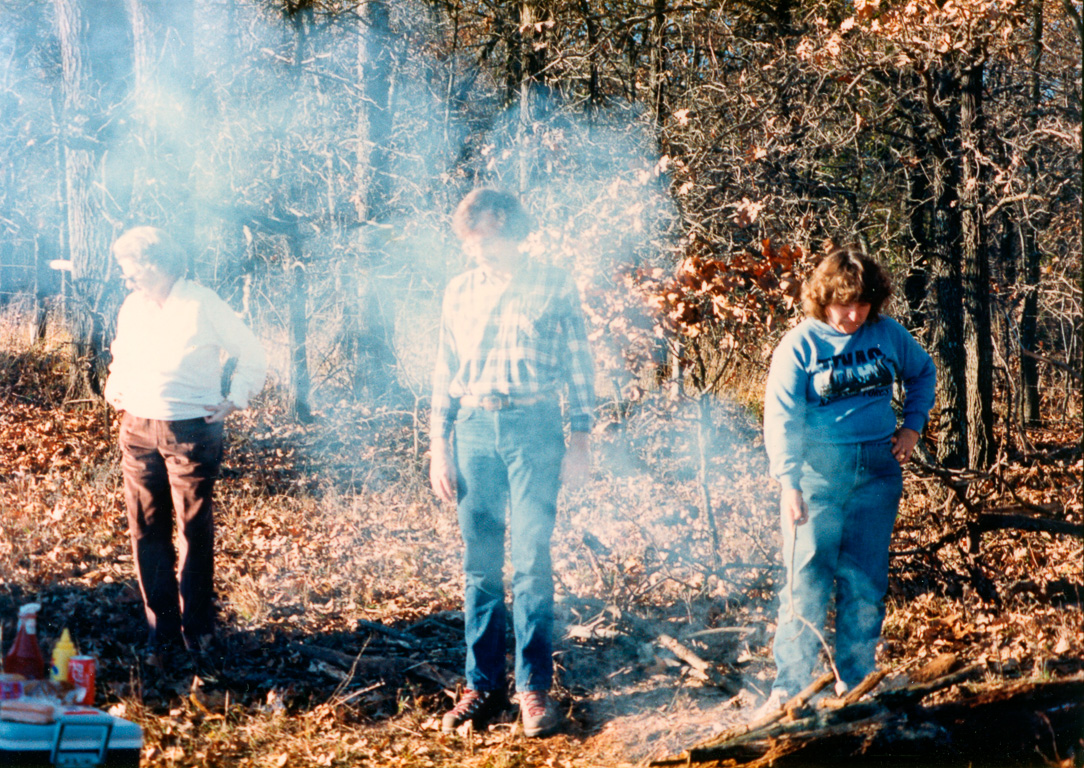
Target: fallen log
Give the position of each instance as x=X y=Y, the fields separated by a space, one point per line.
x=1023 y=724
x=703 y=669
x=912 y=694
x=1001 y=521
x=716 y=674
x=937 y=667
x=768 y=719
x=397 y=636
x=850 y=697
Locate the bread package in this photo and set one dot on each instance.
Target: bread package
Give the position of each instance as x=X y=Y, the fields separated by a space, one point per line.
x=25 y=710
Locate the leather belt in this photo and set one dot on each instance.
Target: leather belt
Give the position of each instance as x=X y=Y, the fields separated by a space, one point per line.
x=498 y=402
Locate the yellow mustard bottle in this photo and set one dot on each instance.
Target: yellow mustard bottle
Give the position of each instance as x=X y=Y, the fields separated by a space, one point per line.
x=62 y=651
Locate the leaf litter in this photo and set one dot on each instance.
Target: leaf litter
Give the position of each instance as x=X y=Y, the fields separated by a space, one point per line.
x=339 y=585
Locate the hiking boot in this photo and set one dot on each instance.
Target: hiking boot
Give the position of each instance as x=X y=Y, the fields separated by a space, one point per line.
x=539 y=713
x=480 y=708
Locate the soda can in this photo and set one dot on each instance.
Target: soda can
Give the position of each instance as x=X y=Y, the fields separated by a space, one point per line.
x=11 y=687
x=81 y=671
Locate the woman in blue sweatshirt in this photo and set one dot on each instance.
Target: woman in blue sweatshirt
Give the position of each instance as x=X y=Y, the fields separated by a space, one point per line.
x=837 y=450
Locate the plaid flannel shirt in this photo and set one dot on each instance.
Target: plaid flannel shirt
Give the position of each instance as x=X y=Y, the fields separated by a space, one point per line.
x=522 y=337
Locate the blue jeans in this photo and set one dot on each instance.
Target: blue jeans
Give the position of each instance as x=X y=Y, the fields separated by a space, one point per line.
x=508 y=459
x=853 y=494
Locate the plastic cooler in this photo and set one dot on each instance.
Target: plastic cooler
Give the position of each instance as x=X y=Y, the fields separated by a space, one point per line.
x=80 y=736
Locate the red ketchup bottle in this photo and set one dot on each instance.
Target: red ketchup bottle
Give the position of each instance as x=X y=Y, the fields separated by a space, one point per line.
x=25 y=657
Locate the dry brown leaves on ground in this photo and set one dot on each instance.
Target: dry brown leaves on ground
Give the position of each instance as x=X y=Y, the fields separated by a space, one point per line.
x=339 y=585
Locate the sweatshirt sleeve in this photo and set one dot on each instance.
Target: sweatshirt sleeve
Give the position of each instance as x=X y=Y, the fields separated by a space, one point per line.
x=785 y=414
x=919 y=379
x=240 y=342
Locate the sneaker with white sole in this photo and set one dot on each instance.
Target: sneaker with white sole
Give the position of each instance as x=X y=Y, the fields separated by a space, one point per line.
x=538 y=712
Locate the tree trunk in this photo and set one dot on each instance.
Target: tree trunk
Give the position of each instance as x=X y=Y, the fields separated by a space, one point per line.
x=300 y=14
x=298 y=281
x=946 y=333
x=658 y=61
x=917 y=215
x=1029 y=248
x=976 y=274
x=703 y=480
x=534 y=97
x=374 y=118
x=593 y=93
x=94 y=60
x=1003 y=270
x=946 y=322
x=523 y=126
x=1029 y=324
x=367 y=325
x=162 y=41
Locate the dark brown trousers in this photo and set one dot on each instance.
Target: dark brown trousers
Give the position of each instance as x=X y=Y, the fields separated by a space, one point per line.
x=169 y=471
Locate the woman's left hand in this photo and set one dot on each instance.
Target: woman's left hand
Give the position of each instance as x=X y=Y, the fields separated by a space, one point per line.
x=903 y=444
x=219 y=412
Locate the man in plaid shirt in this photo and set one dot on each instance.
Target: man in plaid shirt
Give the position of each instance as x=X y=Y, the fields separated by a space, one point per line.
x=512 y=340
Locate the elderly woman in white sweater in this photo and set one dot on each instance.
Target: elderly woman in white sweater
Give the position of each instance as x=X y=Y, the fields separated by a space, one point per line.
x=173 y=336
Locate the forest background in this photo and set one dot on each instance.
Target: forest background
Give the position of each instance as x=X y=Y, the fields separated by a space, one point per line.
x=688 y=162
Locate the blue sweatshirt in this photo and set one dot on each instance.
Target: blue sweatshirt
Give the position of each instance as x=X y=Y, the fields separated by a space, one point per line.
x=830 y=387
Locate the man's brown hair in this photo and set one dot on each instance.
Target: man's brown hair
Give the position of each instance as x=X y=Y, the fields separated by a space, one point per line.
x=846 y=275
x=511 y=220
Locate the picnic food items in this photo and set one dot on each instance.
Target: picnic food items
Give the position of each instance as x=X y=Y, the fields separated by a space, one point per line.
x=25 y=658
x=48 y=721
x=28 y=710
x=38 y=731
x=11 y=686
x=81 y=673
x=62 y=652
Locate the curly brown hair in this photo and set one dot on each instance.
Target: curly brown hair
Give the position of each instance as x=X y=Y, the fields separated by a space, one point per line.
x=512 y=221
x=846 y=275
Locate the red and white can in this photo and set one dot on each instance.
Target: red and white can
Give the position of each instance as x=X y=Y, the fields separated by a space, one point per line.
x=11 y=687
x=81 y=672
